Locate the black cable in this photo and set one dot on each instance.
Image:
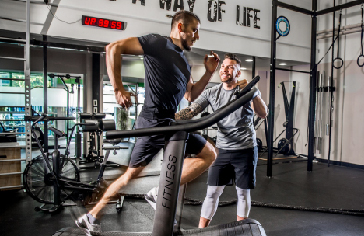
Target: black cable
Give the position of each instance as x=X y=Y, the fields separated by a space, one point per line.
x=328 y=50
x=332 y=44
x=70 y=23
x=195 y=202
x=361 y=38
x=338 y=58
x=314 y=209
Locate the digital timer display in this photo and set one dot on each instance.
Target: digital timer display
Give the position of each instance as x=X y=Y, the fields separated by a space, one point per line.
x=103 y=23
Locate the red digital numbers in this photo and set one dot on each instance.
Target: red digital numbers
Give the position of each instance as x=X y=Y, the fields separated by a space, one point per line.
x=104 y=23
x=89 y=21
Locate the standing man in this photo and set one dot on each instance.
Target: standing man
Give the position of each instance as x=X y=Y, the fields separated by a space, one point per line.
x=236 y=141
x=167 y=80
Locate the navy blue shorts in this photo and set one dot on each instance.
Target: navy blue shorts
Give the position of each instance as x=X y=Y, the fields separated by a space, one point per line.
x=146 y=148
x=237 y=166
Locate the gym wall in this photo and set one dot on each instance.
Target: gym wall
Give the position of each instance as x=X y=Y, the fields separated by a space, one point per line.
x=225 y=35
x=347 y=126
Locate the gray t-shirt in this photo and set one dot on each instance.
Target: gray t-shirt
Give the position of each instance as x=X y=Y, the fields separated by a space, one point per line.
x=236 y=131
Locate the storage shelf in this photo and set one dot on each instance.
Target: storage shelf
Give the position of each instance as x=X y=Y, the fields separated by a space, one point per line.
x=12 y=173
x=13 y=58
x=13 y=159
x=12 y=133
x=12 y=112
x=11 y=187
x=21 y=93
x=14 y=79
x=11 y=106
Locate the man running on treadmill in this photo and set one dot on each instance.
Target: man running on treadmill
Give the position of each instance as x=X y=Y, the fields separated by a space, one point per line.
x=167 y=80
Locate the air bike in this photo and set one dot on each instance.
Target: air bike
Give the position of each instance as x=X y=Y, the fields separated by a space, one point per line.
x=169 y=182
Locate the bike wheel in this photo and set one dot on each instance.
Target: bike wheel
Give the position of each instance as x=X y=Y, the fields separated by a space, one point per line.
x=39 y=181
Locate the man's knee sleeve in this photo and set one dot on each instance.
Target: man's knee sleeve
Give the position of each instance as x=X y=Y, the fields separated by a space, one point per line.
x=244 y=202
x=211 y=202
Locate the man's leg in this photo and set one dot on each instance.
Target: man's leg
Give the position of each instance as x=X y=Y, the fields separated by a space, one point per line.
x=210 y=205
x=244 y=203
x=238 y=218
x=194 y=167
x=114 y=188
x=244 y=162
x=203 y=222
x=88 y=222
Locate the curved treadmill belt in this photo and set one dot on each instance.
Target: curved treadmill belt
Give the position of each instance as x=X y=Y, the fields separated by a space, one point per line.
x=237 y=228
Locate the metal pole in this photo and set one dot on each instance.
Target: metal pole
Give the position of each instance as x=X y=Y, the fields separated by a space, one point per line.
x=136 y=102
x=56 y=169
x=253 y=68
x=331 y=83
x=293 y=8
x=78 y=146
x=67 y=112
x=169 y=184
x=311 y=123
x=45 y=97
x=272 y=90
x=28 y=106
x=342 y=6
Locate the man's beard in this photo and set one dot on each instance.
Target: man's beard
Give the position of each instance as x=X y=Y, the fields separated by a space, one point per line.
x=228 y=80
x=185 y=45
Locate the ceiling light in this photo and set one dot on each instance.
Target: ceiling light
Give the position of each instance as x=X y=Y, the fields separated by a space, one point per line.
x=282 y=64
x=249 y=60
x=242 y=68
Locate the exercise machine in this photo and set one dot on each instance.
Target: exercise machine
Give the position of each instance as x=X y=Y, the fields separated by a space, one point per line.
x=7 y=135
x=285 y=145
x=53 y=178
x=72 y=91
x=169 y=182
x=94 y=129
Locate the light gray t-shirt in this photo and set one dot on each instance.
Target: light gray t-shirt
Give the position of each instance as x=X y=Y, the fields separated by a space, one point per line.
x=236 y=131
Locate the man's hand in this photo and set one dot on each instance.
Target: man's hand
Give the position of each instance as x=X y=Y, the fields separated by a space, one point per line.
x=124 y=98
x=242 y=83
x=211 y=62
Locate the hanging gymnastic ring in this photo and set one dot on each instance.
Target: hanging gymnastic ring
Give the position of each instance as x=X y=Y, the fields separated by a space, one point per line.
x=338 y=59
x=360 y=56
x=278 y=21
x=361 y=37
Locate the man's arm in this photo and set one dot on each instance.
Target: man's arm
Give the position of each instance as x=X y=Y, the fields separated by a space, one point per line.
x=195 y=89
x=189 y=112
x=195 y=108
x=258 y=104
x=259 y=107
x=113 y=63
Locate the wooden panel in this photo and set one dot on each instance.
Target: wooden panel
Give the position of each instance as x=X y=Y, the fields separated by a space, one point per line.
x=10 y=166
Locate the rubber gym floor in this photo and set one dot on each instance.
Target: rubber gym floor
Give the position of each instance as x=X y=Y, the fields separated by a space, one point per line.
x=333 y=187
